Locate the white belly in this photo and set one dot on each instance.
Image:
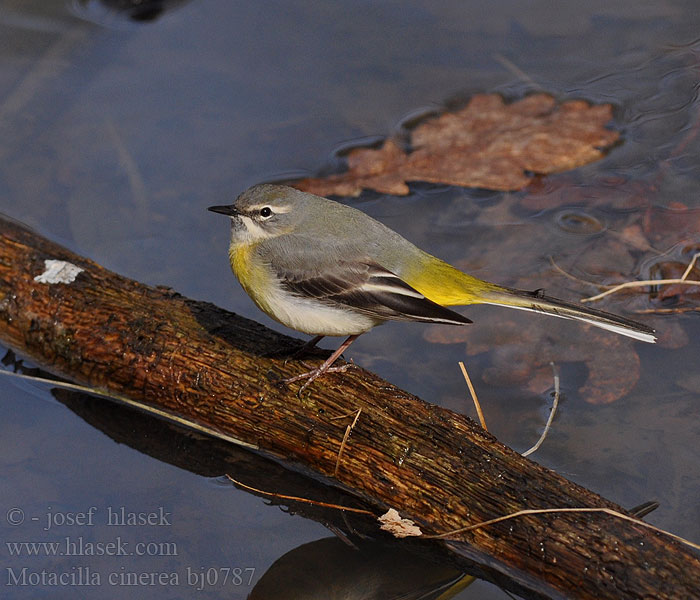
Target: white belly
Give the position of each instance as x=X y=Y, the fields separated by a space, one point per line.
x=313 y=317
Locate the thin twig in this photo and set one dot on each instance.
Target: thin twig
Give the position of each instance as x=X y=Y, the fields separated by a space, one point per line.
x=666 y=311
x=345 y=416
x=62 y=384
x=515 y=70
x=473 y=393
x=644 y=245
x=573 y=277
x=345 y=439
x=690 y=266
x=361 y=511
x=542 y=511
x=630 y=284
x=132 y=171
x=170 y=416
x=555 y=404
x=47 y=68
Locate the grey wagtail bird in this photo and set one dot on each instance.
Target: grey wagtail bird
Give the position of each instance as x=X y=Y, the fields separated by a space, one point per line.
x=323 y=268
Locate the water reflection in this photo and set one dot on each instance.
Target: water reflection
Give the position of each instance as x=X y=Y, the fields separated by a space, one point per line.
x=106 y=12
x=348 y=566
x=331 y=569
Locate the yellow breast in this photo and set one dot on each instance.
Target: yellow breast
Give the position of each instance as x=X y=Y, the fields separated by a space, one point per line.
x=249 y=270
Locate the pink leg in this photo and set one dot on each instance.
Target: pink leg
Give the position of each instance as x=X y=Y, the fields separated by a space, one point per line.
x=307 y=346
x=326 y=367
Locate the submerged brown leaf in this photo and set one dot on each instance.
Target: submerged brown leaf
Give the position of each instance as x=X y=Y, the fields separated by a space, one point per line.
x=669 y=225
x=521 y=352
x=487 y=144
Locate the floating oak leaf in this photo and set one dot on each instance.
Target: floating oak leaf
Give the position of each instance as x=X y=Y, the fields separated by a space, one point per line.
x=487 y=144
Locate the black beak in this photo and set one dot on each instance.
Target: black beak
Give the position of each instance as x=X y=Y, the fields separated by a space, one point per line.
x=229 y=211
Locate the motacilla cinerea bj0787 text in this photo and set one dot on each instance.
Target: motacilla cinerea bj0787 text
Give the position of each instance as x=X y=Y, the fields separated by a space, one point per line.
x=323 y=268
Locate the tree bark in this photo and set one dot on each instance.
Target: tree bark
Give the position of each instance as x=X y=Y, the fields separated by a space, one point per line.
x=203 y=366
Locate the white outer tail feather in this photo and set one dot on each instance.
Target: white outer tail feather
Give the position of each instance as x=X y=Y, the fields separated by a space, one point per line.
x=637 y=335
x=539 y=303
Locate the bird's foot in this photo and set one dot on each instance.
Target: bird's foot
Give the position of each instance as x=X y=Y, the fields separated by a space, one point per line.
x=314 y=374
x=326 y=367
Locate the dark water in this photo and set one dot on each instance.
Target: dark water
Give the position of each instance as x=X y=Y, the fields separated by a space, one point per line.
x=116 y=134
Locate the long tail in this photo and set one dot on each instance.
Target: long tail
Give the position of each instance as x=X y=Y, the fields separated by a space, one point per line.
x=537 y=302
x=444 y=284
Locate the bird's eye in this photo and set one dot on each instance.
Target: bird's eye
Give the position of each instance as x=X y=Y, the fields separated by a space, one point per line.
x=265 y=212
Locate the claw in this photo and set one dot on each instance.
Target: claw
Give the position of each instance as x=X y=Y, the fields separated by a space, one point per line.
x=326 y=367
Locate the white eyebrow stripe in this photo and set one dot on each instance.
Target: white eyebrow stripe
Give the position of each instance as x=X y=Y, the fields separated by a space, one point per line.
x=279 y=210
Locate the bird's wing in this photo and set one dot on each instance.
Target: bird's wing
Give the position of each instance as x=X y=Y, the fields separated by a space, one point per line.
x=369 y=288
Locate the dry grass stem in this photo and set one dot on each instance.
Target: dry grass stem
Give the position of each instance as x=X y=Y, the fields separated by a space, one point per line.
x=345 y=416
x=133 y=173
x=631 y=284
x=348 y=429
x=555 y=404
x=473 y=393
x=628 y=284
x=542 y=511
x=61 y=384
x=361 y=511
x=516 y=70
x=573 y=277
x=667 y=311
x=690 y=266
x=153 y=410
x=637 y=245
x=40 y=75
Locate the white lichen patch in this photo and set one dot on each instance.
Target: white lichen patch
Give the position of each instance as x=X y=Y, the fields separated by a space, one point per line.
x=392 y=522
x=58 y=271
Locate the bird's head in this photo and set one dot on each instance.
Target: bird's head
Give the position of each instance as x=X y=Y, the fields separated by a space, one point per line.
x=264 y=211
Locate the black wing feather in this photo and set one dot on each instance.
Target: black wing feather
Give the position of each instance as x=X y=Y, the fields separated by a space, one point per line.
x=369 y=288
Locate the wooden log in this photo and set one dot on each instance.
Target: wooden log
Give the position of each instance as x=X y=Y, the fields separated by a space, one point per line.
x=208 y=368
